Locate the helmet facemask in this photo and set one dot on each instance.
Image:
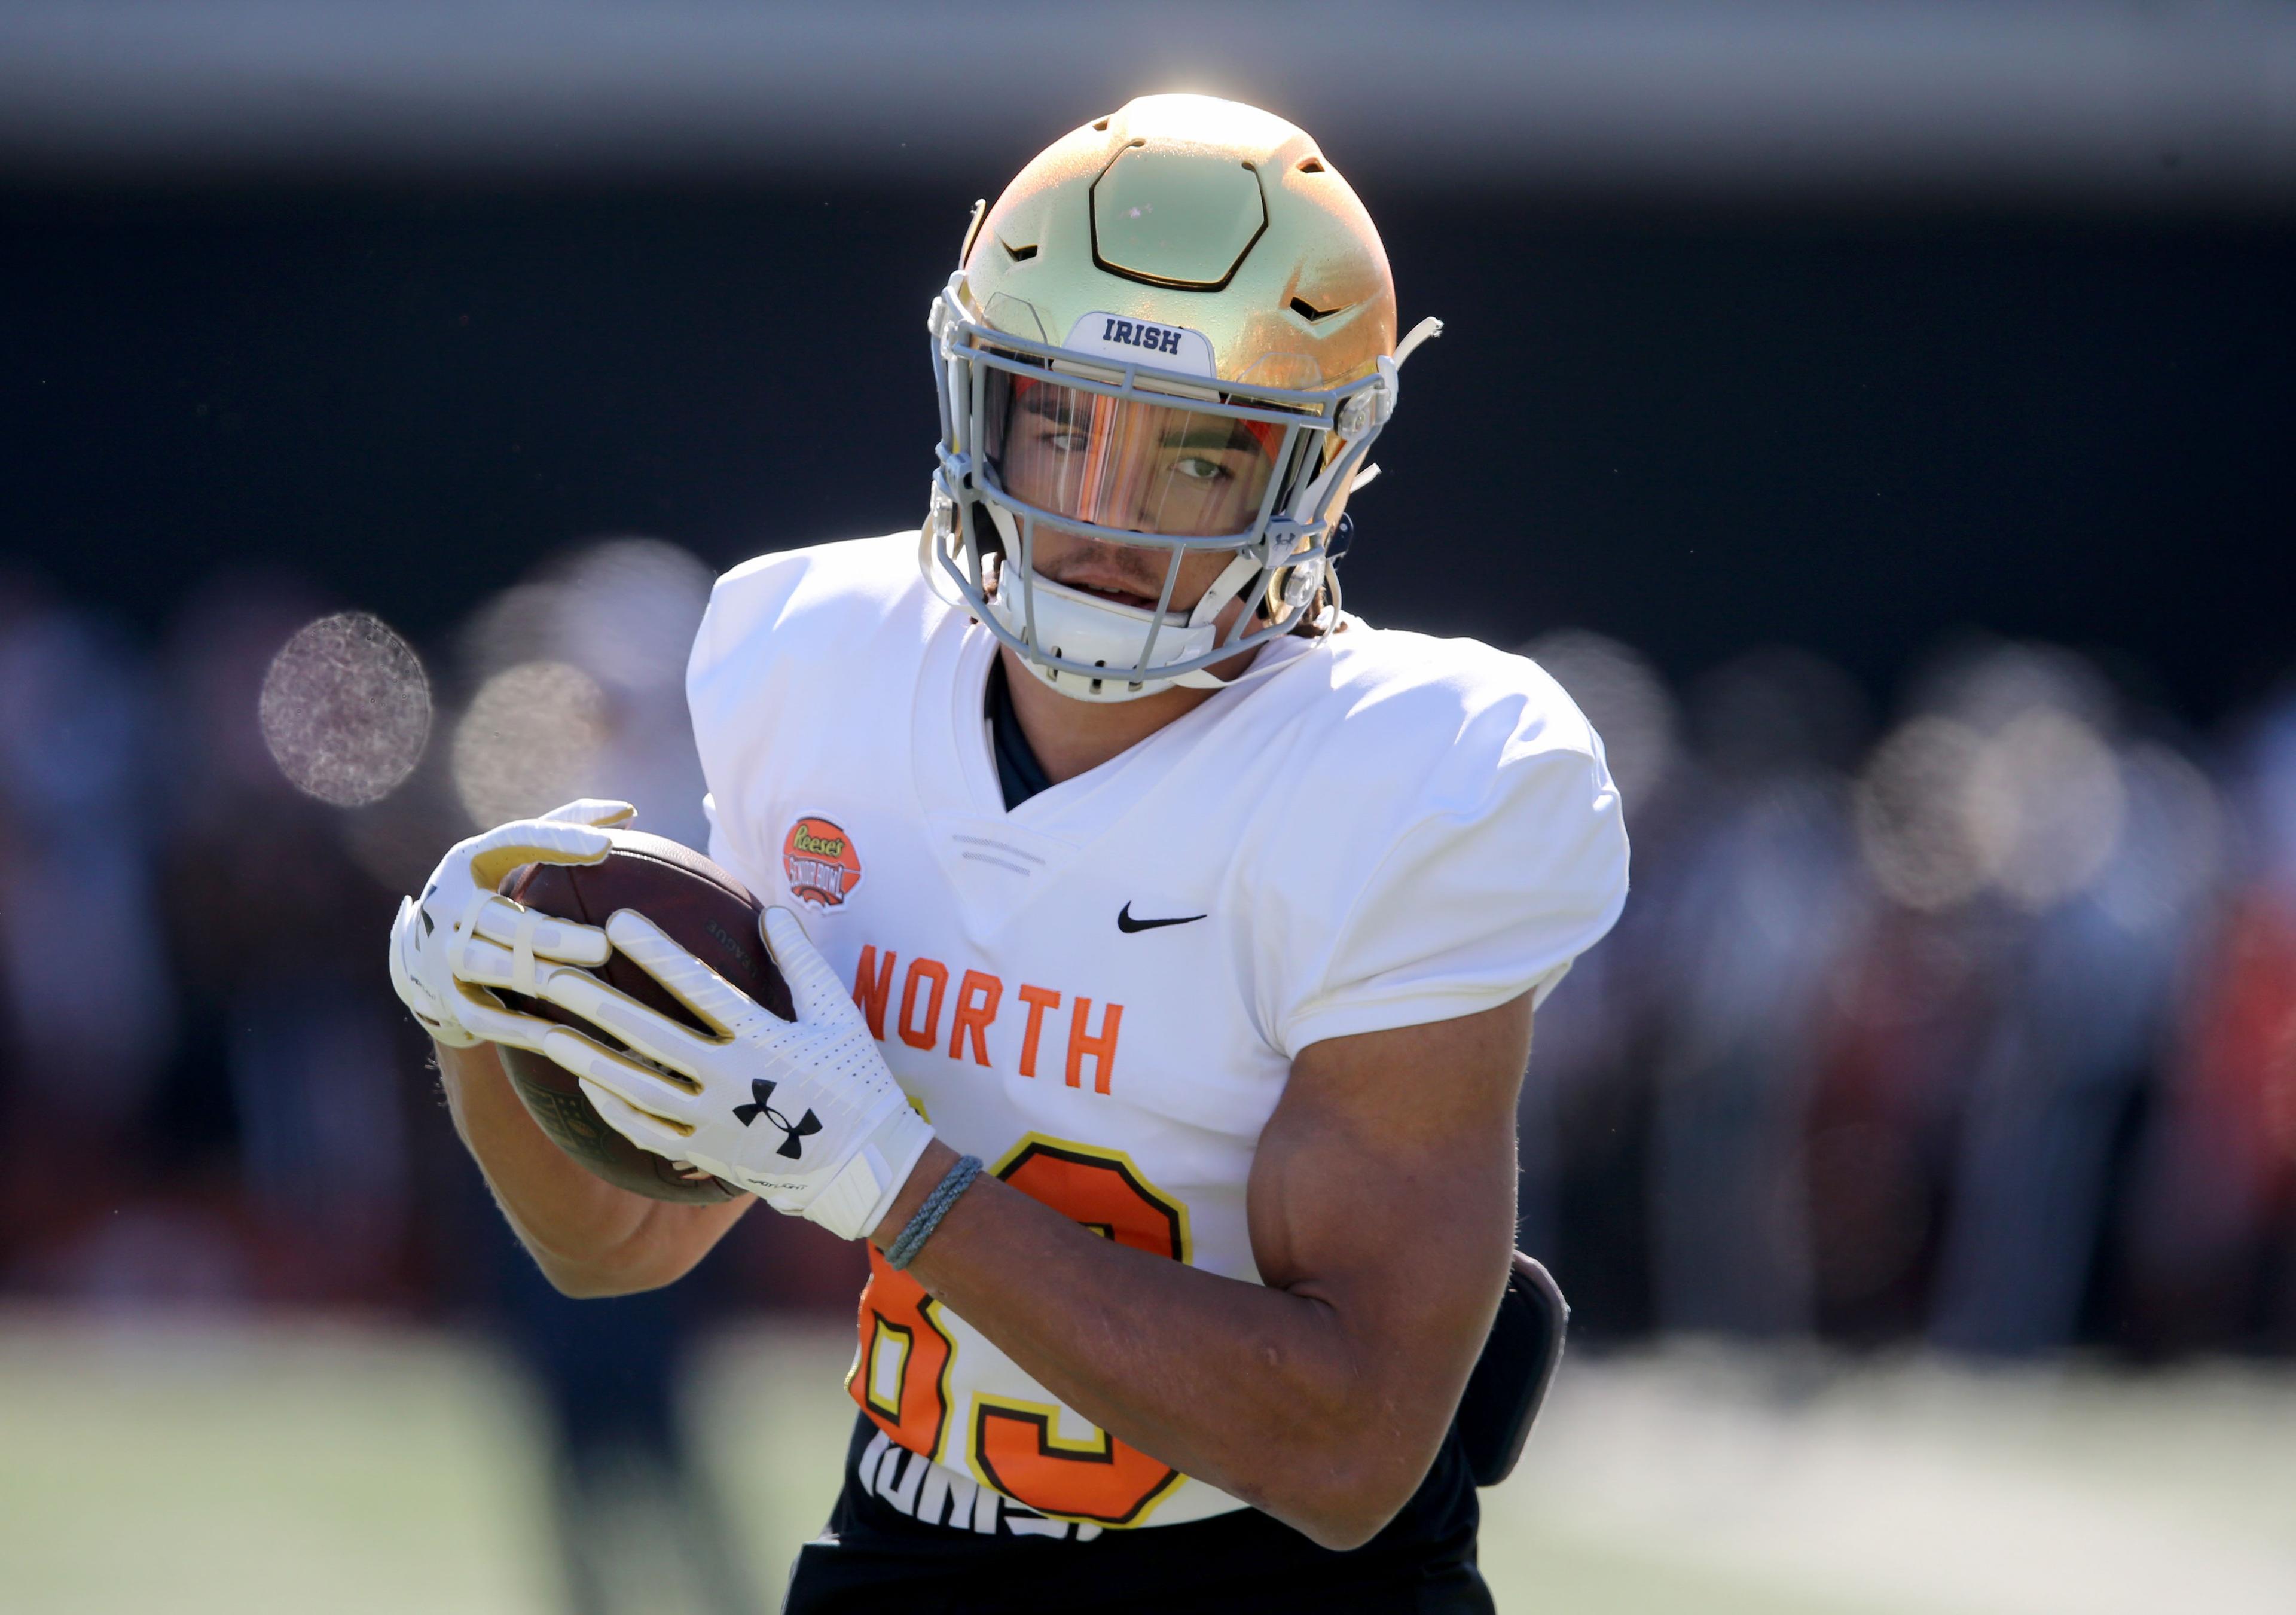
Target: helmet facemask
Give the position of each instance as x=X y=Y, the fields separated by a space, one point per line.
x=1096 y=444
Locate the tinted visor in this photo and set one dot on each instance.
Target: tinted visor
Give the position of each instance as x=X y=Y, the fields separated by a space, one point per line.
x=1125 y=462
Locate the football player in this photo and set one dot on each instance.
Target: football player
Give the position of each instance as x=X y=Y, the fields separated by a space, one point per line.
x=1164 y=942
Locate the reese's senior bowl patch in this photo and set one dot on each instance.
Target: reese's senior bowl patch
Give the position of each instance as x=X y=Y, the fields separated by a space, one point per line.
x=820 y=862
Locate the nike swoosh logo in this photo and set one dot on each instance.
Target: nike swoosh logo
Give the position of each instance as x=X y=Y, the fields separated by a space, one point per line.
x=1126 y=923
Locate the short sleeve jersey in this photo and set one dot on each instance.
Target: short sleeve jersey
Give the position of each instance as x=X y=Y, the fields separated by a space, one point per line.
x=1100 y=993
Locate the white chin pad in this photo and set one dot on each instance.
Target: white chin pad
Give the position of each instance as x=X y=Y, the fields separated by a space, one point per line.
x=1078 y=626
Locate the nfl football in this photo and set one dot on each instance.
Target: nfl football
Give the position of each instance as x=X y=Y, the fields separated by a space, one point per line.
x=705 y=911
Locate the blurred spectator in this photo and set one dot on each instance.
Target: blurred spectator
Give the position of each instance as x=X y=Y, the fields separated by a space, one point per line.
x=2103 y=856
x=638 y=1521
x=1763 y=903
x=275 y=932
x=578 y=689
x=89 y=1001
x=2213 y=1239
x=1583 y=1117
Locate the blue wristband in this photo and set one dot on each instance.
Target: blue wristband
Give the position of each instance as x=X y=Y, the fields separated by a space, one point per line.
x=904 y=1250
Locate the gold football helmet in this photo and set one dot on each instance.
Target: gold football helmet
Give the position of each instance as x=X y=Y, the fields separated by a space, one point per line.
x=1176 y=329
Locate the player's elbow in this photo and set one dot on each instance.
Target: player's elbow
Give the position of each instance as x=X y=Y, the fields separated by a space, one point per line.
x=1343 y=1530
x=627 y=1267
x=1344 y=1511
x=1342 y=1493
x=582 y=1283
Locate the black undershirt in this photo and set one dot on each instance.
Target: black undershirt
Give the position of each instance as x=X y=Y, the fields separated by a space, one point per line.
x=1018 y=771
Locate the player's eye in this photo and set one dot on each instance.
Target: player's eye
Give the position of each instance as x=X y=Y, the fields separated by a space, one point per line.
x=1069 y=441
x=1197 y=468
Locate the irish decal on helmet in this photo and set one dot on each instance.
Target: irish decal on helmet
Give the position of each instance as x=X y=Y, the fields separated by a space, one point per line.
x=819 y=860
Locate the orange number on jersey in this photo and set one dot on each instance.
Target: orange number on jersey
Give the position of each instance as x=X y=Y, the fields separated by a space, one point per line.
x=1018 y=1450
x=901 y=1377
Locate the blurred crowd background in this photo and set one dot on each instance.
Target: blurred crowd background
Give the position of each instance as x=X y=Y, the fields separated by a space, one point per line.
x=1901 y=484
x=1963 y=1012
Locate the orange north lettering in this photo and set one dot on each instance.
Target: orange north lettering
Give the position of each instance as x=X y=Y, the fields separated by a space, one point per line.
x=976 y=1007
x=1102 y=1048
x=1039 y=999
x=922 y=969
x=870 y=990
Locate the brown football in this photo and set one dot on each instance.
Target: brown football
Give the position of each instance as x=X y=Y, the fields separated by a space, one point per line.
x=703 y=909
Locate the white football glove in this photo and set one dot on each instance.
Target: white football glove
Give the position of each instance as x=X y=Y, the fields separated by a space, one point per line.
x=803 y=1113
x=460 y=933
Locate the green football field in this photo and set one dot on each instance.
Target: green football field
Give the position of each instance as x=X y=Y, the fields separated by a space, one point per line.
x=298 y=1465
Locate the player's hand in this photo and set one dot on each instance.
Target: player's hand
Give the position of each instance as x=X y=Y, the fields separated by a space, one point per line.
x=459 y=937
x=803 y=1113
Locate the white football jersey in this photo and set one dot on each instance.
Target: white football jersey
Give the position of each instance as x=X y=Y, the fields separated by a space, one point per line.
x=1100 y=993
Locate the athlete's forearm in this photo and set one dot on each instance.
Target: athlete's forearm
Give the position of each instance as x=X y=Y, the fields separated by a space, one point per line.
x=588 y=1237
x=1256 y=1391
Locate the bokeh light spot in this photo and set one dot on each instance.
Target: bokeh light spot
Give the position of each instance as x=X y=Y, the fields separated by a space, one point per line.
x=528 y=742
x=1913 y=823
x=2044 y=805
x=629 y=610
x=346 y=708
x=1625 y=700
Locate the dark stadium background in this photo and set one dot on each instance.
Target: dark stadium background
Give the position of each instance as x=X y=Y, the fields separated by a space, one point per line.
x=1693 y=430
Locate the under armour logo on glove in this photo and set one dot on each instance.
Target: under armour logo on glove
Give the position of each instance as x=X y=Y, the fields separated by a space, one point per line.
x=681 y=1093
x=762 y=1091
